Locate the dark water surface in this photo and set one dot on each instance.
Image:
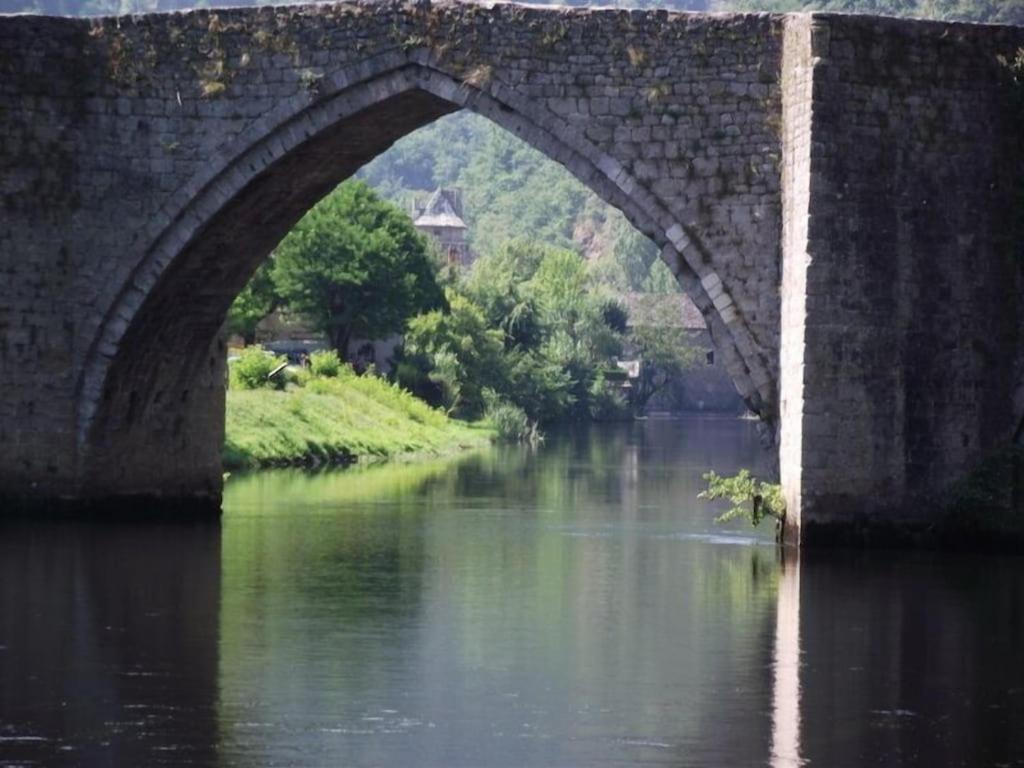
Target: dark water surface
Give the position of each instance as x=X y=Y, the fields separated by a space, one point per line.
x=569 y=606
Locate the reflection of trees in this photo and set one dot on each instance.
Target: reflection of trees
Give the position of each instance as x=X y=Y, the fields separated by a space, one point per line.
x=321 y=572
x=590 y=598
x=559 y=587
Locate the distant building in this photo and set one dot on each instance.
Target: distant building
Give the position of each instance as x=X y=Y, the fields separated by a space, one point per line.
x=439 y=216
x=290 y=335
x=704 y=387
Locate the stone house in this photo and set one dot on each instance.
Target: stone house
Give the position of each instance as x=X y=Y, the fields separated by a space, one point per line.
x=439 y=216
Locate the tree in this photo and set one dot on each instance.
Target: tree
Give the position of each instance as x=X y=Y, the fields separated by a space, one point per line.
x=356 y=267
x=665 y=354
x=257 y=300
x=459 y=353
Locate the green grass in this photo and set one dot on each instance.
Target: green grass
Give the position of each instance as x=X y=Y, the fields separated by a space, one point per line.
x=345 y=419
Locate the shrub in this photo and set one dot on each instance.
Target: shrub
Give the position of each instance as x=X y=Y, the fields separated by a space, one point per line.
x=751 y=498
x=325 y=364
x=510 y=422
x=253 y=368
x=607 y=402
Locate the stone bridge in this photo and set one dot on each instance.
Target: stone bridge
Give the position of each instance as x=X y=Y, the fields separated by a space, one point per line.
x=837 y=195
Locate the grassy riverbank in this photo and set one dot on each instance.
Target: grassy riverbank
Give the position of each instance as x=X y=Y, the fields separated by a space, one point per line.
x=338 y=420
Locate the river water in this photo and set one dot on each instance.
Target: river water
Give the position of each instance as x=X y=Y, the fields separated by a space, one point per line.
x=570 y=605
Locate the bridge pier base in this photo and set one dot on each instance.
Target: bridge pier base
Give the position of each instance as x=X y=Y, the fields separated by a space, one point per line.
x=901 y=291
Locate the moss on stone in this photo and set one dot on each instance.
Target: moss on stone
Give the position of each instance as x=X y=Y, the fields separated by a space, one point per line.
x=991 y=497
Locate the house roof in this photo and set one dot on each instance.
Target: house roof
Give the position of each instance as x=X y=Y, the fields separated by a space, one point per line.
x=442 y=209
x=670 y=310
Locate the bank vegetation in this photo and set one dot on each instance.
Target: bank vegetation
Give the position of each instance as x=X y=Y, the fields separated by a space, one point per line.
x=330 y=415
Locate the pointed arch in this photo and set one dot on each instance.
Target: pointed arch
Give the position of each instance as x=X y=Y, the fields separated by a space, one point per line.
x=219 y=226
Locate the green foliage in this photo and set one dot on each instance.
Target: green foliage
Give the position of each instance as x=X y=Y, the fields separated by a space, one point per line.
x=453 y=356
x=510 y=422
x=630 y=261
x=606 y=401
x=257 y=300
x=512 y=190
x=253 y=368
x=325 y=364
x=543 y=387
x=665 y=351
x=615 y=315
x=338 y=419
x=752 y=499
x=431 y=157
x=528 y=322
x=355 y=267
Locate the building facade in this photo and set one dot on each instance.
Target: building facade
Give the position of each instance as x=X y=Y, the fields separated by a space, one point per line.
x=439 y=217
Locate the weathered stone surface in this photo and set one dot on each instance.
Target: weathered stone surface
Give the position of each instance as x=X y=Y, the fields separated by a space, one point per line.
x=902 y=266
x=151 y=162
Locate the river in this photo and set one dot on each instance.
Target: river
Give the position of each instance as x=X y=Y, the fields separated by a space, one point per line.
x=569 y=605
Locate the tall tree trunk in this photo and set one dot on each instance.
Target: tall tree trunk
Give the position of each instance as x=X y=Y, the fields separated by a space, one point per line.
x=339 y=338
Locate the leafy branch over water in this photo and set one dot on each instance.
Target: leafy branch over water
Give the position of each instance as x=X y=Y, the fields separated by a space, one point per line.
x=752 y=499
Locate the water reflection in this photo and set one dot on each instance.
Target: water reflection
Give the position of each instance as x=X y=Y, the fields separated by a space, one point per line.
x=572 y=606
x=108 y=644
x=786 y=666
x=553 y=607
x=912 y=659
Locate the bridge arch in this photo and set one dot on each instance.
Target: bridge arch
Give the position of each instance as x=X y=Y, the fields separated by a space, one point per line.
x=150 y=364
x=863 y=271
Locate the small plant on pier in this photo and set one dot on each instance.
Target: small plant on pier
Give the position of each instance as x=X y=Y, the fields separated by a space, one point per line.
x=752 y=499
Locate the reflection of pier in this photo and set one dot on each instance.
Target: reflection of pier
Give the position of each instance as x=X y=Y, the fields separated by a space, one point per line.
x=898 y=659
x=786 y=666
x=108 y=644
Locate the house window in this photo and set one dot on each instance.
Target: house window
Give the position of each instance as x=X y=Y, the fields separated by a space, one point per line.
x=709 y=357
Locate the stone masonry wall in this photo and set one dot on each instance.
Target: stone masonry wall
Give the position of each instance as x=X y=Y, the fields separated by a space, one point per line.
x=910 y=268
x=151 y=162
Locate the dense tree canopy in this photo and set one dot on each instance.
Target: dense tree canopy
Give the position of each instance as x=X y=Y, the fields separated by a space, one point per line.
x=530 y=325
x=356 y=267
x=257 y=300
